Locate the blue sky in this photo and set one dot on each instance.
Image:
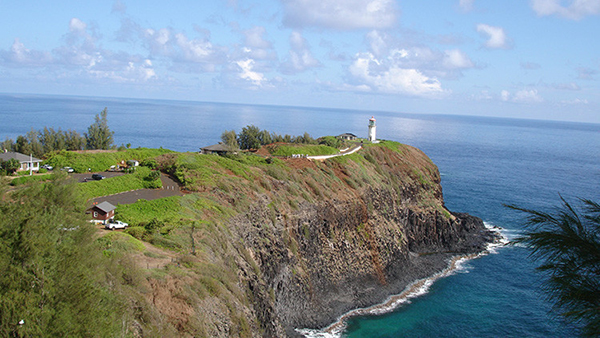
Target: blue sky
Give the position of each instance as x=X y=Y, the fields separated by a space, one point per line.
x=536 y=59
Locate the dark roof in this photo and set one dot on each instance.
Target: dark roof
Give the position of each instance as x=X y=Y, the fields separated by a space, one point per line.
x=347 y=135
x=105 y=206
x=20 y=157
x=217 y=147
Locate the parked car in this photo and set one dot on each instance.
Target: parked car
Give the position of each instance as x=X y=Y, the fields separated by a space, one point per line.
x=97 y=177
x=47 y=167
x=68 y=169
x=112 y=225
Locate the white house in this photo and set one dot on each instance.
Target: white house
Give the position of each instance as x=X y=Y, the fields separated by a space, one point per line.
x=27 y=162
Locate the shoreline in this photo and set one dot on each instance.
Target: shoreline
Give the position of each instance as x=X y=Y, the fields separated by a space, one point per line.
x=413 y=290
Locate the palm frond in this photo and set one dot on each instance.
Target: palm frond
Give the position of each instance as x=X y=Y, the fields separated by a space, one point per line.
x=567 y=243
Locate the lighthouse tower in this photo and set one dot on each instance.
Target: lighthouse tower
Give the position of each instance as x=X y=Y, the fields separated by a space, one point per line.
x=372 y=135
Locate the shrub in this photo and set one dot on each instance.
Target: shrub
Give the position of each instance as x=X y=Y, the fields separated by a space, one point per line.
x=150 y=163
x=137 y=232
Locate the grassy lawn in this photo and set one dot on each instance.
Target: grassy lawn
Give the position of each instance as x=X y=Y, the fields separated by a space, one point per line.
x=140 y=179
x=311 y=150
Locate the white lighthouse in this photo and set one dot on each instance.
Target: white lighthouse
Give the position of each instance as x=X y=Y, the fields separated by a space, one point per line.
x=372 y=132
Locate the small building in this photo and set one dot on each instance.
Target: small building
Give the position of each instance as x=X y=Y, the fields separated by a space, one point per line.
x=102 y=212
x=133 y=163
x=219 y=149
x=347 y=137
x=27 y=162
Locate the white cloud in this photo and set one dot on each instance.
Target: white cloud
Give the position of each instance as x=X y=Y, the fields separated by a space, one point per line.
x=255 y=39
x=21 y=56
x=77 y=26
x=496 y=36
x=340 y=14
x=177 y=47
x=133 y=72
x=300 y=57
x=527 y=96
x=522 y=96
x=575 y=102
x=447 y=64
x=466 y=5
x=377 y=43
x=386 y=76
x=585 y=73
x=577 y=9
x=566 y=86
x=80 y=57
x=247 y=73
x=256 y=46
x=455 y=58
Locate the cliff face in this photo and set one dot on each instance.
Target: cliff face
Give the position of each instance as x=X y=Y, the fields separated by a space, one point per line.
x=334 y=256
x=309 y=241
x=356 y=247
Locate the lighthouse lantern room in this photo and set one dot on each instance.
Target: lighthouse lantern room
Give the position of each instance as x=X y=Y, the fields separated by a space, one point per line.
x=372 y=135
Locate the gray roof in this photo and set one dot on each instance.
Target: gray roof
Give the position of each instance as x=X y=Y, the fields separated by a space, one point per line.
x=20 y=157
x=105 y=206
x=217 y=147
x=347 y=135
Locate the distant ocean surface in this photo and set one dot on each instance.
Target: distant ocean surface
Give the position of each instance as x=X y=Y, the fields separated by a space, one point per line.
x=484 y=163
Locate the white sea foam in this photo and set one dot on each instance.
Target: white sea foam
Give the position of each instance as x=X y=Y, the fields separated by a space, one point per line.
x=416 y=289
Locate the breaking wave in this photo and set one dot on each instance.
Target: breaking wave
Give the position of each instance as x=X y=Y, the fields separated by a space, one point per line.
x=415 y=289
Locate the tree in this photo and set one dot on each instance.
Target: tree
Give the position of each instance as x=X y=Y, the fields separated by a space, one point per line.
x=34 y=141
x=248 y=138
x=8 y=145
x=567 y=243
x=10 y=166
x=74 y=141
x=99 y=135
x=22 y=145
x=229 y=138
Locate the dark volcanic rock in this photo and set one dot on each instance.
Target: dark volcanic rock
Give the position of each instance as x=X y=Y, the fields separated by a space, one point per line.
x=332 y=257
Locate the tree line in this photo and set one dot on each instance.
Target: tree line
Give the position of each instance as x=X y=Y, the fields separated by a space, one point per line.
x=252 y=137
x=38 y=143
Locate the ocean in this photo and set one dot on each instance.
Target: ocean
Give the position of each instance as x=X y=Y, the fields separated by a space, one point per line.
x=484 y=163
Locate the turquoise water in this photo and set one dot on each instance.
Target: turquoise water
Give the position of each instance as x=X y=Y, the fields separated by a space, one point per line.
x=485 y=163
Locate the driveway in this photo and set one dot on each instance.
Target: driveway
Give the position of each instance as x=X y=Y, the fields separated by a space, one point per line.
x=82 y=177
x=170 y=188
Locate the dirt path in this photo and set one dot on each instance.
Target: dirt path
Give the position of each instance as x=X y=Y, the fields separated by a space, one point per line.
x=324 y=157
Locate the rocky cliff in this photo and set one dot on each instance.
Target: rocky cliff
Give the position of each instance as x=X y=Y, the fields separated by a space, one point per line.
x=295 y=243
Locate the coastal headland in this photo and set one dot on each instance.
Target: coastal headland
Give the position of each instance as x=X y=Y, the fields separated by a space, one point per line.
x=259 y=246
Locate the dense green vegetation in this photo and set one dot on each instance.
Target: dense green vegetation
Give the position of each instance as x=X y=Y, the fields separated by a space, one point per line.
x=100 y=161
x=54 y=275
x=29 y=179
x=165 y=210
x=251 y=137
x=9 y=167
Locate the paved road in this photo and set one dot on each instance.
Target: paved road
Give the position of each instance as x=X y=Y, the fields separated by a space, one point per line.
x=170 y=188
